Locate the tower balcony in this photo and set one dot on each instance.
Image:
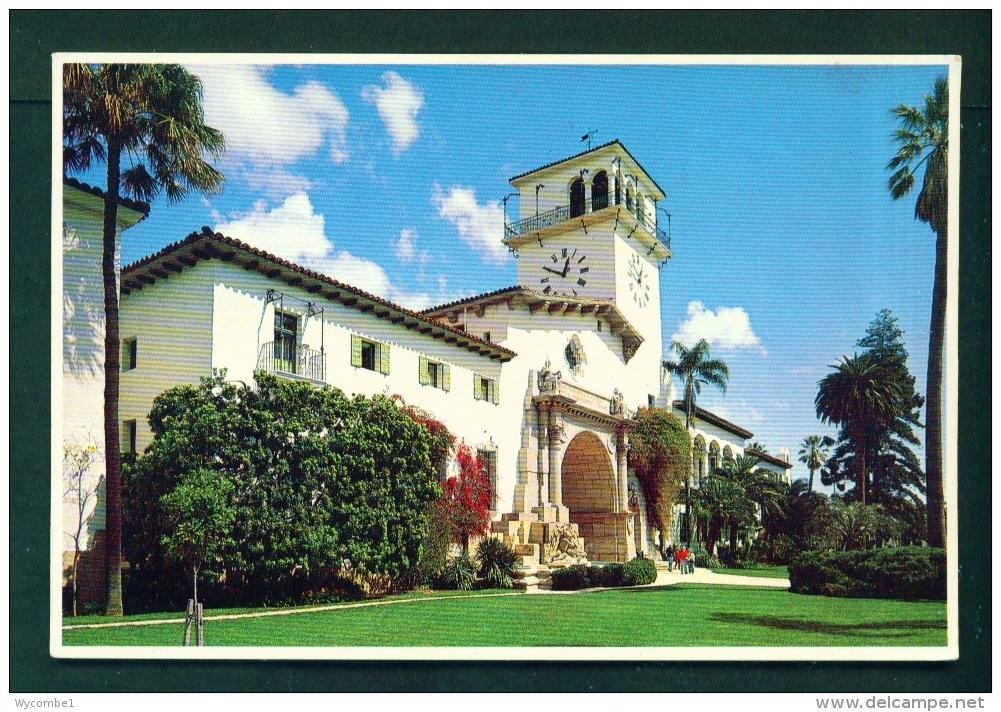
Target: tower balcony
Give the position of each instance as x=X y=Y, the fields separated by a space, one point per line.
x=584 y=213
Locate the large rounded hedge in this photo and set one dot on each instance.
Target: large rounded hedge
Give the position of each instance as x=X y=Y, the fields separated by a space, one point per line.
x=909 y=573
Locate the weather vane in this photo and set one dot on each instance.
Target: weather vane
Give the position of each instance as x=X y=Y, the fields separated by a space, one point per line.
x=587 y=137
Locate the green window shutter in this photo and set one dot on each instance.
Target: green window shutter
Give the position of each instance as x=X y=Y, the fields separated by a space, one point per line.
x=356 y=350
x=384 y=359
x=495 y=391
x=477 y=387
x=446 y=379
x=424 y=377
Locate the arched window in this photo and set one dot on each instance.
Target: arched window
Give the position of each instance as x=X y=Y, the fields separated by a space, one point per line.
x=599 y=191
x=640 y=212
x=629 y=198
x=728 y=454
x=713 y=456
x=577 y=198
x=618 y=189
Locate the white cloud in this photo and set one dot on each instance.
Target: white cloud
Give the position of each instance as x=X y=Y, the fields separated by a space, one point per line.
x=403 y=248
x=397 y=104
x=268 y=128
x=727 y=327
x=480 y=226
x=296 y=233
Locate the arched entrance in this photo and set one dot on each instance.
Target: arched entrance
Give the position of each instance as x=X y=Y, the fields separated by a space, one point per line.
x=589 y=492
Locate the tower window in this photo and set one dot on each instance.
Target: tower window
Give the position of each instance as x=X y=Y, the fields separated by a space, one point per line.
x=599 y=324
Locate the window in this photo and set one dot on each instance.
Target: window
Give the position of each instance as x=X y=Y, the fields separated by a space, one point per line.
x=486 y=336
x=650 y=400
x=485 y=389
x=599 y=191
x=577 y=201
x=129 y=351
x=599 y=324
x=128 y=436
x=369 y=355
x=286 y=341
x=488 y=459
x=433 y=373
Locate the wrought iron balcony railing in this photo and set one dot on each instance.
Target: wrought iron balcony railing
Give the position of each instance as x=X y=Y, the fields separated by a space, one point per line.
x=567 y=212
x=285 y=358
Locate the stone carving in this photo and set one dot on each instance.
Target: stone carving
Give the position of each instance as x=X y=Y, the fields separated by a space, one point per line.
x=557 y=433
x=630 y=345
x=634 y=501
x=564 y=546
x=548 y=380
x=616 y=405
x=575 y=357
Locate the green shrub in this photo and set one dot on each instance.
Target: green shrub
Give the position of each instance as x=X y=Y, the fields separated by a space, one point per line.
x=458 y=574
x=909 y=573
x=704 y=560
x=572 y=578
x=638 y=572
x=496 y=564
x=605 y=575
x=339 y=590
x=782 y=549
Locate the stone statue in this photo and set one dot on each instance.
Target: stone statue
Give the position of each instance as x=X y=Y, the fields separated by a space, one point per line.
x=564 y=546
x=556 y=430
x=617 y=405
x=549 y=381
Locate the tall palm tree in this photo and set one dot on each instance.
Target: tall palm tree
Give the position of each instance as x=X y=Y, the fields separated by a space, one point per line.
x=924 y=139
x=861 y=397
x=696 y=369
x=145 y=121
x=813 y=454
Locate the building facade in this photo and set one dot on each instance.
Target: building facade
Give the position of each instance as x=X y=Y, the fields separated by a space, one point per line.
x=541 y=378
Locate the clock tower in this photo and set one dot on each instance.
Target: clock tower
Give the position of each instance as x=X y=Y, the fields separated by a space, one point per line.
x=587 y=229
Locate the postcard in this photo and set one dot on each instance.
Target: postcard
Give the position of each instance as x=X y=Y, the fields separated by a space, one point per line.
x=542 y=357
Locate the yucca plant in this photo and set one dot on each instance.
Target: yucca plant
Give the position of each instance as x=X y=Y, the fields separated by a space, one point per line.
x=496 y=563
x=458 y=574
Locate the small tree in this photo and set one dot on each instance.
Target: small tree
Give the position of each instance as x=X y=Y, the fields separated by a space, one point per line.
x=467 y=497
x=80 y=489
x=201 y=514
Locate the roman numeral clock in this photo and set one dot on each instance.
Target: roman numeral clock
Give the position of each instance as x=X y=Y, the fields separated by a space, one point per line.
x=638 y=284
x=567 y=271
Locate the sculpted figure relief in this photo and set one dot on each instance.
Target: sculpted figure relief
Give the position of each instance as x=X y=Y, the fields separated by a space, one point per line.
x=564 y=546
x=616 y=405
x=548 y=380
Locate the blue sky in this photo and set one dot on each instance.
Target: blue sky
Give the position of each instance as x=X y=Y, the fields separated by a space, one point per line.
x=784 y=236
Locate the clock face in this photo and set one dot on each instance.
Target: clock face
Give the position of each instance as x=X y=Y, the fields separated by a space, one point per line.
x=566 y=272
x=638 y=281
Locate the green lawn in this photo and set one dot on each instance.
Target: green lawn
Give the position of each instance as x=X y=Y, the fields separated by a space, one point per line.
x=770 y=572
x=680 y=615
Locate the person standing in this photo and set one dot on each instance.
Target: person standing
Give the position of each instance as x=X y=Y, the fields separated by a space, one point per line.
x=680 y=557
x=669 y=556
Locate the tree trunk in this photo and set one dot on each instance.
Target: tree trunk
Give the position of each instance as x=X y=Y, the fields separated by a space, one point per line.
x=811 y=480
x=112 y=372
x=76 y=560
x=194 y=576
x=933 y=412
x=733 y=539
x=860 y=476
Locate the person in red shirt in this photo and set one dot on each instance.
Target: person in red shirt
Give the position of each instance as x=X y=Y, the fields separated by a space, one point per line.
x=681 y=557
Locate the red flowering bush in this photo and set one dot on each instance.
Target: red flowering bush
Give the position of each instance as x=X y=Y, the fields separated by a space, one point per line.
x=466 y=498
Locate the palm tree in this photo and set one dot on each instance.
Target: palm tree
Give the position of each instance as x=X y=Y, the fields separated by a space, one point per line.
x=145 y=121
x=927 y=132
x=696 y=369
x=813 y=454
x=861 y=397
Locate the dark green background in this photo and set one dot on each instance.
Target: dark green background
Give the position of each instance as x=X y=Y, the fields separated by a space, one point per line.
x=35 y=35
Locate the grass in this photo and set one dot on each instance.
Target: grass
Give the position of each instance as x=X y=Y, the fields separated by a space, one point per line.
x=680 y=615
x=770 y=572
x=168 y=615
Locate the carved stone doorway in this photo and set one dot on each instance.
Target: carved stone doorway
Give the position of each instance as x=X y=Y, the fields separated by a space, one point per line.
x=589 y=492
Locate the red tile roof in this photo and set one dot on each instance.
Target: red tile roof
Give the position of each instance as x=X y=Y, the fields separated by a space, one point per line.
x=208 y=245
x=137 y=205
x=765 y=457
x=710 y=417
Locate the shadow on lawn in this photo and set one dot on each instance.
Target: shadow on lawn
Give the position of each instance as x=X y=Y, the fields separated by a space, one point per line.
x=881 y=629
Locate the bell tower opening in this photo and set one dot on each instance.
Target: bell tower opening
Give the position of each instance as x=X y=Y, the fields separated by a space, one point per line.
x=577 y=202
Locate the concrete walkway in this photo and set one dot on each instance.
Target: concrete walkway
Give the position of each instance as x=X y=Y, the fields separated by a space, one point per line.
x=665 y=578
